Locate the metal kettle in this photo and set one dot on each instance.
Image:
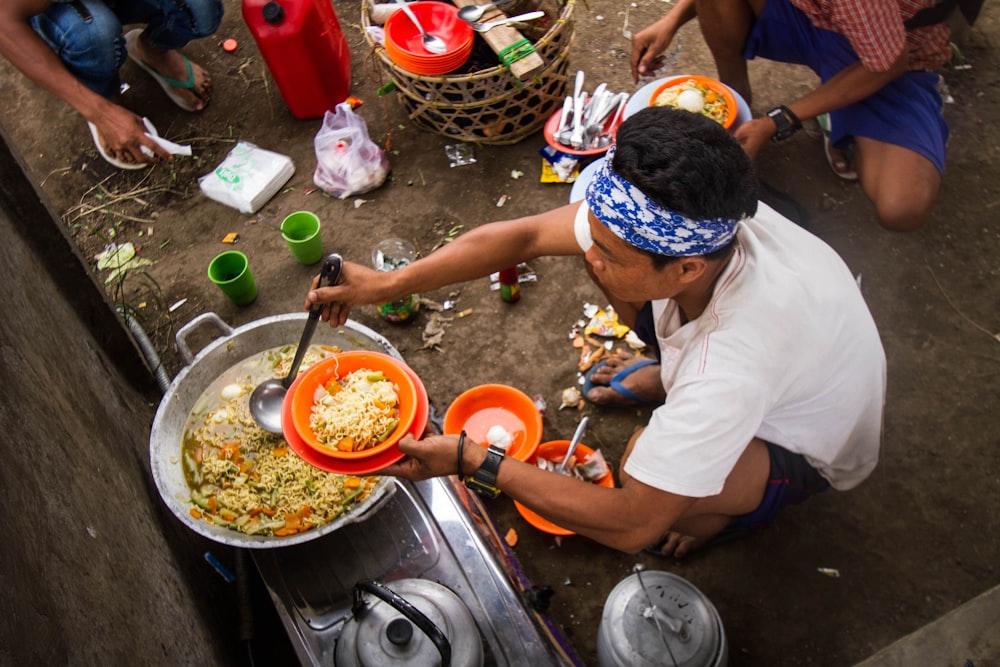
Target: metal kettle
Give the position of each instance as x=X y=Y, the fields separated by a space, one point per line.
x=413 y=622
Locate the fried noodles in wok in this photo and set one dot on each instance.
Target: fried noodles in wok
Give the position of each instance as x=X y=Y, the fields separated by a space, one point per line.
x=247 y=479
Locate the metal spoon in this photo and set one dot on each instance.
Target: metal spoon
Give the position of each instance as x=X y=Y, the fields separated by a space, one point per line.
x=268 y=396
x=489 y=25
x=472 y=13
x=577 y=437
x=432 y=43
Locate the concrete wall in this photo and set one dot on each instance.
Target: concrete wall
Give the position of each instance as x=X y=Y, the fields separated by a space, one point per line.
x=93 y=569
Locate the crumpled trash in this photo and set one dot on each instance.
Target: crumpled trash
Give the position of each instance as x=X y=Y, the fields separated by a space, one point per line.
x=121 y=259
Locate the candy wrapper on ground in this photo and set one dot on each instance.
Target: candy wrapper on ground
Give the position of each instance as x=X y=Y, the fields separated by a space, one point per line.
x=605 y=323
x=348 y=162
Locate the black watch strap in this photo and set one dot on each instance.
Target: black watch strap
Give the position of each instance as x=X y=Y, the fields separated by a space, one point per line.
x=786 y=121
x=484 y=480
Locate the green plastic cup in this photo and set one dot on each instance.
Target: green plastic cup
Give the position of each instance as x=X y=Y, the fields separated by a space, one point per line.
x=301 y=232
x=231 y=272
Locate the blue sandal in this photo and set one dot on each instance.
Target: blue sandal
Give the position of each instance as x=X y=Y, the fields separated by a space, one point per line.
x=616 y=383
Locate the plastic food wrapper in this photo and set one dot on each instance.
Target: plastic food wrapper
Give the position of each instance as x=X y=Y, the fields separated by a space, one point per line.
x=558 y=167
x=247 y=178
x=605 y=323
x=348 y=162
x=459 y=155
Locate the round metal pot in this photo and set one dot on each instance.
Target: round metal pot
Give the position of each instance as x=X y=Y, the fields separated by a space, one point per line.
x=412 y=622
x=224 y=352
x=657 y=618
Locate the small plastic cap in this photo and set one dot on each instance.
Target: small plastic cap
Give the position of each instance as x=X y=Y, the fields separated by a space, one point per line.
x=273 y=13
x=229 y=45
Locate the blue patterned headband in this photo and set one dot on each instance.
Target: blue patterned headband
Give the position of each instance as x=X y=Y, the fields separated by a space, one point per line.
x=639 y=221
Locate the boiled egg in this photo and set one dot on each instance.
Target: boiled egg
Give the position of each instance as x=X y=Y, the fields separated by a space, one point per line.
x=498 y=436
x=691 y=100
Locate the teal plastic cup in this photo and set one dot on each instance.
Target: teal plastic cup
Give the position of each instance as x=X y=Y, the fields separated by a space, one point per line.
x=231 y=272
x=301 y=232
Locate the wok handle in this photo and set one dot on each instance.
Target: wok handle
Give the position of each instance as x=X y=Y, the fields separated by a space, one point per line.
x=182 y=333
x=411 y=613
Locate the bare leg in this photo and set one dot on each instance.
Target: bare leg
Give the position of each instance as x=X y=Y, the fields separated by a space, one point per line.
x=902 y=184
x=725 y=27
x=707 y=517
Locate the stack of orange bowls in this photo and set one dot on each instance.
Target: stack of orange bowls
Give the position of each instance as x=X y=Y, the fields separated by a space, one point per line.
x=404 y=45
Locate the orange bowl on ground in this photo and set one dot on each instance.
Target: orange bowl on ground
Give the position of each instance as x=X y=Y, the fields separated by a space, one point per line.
x=339 y=366
x=478 y=409
x=552 y=126
x=554 y=451
x=732 y=108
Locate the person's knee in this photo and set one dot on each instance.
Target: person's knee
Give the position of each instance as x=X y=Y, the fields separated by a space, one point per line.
x=86 y=38
x=207 y=15
x=905 y=213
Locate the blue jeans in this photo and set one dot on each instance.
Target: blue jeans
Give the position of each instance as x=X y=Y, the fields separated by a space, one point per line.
x=87 y=34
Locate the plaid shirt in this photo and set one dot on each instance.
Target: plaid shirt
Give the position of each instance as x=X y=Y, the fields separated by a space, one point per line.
x=875 y=30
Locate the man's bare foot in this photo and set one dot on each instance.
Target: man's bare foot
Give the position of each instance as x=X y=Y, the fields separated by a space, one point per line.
x=643 y=383
x=171 y=64
x=679 y=545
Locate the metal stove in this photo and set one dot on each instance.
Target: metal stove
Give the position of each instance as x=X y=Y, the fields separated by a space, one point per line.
x=433 y=530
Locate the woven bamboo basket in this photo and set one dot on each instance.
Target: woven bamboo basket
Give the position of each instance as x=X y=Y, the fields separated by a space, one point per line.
x=488 y=106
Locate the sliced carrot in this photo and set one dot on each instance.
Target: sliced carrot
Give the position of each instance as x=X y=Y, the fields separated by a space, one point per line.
x=195 y=512
x=346 y=445
x=213 y=505
x=283 y=532
x=352 y=482
x=511 y=538
x=711 y=97
x=280 y=451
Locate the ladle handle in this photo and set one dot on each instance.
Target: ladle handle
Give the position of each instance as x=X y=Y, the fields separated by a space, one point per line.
x=413 y=17
x=332 y=266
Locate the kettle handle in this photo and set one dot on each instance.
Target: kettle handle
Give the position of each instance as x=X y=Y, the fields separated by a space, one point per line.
x=412 y=614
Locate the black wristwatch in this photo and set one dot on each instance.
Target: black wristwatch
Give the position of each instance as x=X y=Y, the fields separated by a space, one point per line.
x=788 y=123
x=484 y=480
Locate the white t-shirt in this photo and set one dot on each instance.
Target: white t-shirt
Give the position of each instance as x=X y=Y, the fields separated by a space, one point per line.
x=786 y=351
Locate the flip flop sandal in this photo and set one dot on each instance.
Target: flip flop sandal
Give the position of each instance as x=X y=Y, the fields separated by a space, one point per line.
x=168 y=85
x=112 y=161
x=823 y=120
x=632 y=399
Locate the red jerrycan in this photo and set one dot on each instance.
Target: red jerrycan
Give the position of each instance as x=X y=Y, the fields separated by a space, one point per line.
x=305 y=50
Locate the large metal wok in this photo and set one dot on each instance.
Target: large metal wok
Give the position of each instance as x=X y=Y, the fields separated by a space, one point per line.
x=232 y=347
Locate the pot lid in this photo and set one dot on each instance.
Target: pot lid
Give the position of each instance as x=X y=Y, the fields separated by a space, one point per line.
x=657 y=618
x=384 y=630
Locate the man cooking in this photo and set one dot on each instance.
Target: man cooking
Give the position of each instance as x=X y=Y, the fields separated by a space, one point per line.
x=771 y=364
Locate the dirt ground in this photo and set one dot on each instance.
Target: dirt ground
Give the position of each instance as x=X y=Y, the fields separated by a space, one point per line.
x=911 y=543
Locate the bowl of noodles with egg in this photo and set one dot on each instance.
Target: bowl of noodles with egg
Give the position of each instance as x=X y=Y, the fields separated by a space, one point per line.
x=353 y=405
x=698 y=94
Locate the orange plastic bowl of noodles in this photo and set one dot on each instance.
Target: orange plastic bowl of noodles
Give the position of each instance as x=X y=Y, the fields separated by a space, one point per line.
x=709 y=97
x=359 y=420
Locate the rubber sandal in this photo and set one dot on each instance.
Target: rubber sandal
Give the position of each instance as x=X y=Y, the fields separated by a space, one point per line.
x=168 y=85
x=632 y=399
x=823 y=120
x=110 y=160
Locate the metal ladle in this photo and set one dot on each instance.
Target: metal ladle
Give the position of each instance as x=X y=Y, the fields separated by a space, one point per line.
x=432 y=43
x=489 y=25
x=267 y=398
x=472 y=13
